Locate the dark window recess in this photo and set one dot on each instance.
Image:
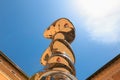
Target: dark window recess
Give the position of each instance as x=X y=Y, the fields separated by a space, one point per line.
x=13 y=72
x=0 y=60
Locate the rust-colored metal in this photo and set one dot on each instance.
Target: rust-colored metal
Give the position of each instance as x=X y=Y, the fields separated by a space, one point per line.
x=58 y=58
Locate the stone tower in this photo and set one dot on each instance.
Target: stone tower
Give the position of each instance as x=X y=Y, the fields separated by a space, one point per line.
x=58 y=58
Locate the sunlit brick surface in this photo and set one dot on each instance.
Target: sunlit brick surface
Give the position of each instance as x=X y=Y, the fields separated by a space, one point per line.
x=10 y=71
x=111 y=71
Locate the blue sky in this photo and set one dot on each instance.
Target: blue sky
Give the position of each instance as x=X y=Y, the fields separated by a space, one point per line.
x=22 y=23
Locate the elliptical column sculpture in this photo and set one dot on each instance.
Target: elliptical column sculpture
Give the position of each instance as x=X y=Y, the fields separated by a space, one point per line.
x=58 y=58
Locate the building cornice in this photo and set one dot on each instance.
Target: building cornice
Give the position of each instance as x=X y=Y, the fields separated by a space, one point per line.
x=104 y=67
x=13 y=64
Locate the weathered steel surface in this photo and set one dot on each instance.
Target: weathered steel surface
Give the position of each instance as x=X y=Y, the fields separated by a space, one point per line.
x=58 y=58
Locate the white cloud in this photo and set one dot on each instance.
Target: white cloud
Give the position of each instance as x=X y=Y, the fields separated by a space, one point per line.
x=102 y=18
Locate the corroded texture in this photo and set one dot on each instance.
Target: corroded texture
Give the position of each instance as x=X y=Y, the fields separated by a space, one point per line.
x=58 y=58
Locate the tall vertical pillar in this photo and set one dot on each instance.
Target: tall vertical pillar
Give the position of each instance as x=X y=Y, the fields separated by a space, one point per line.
x=58 y=58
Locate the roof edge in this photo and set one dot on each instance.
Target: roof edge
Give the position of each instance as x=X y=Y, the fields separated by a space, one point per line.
x=104 y=67
x=13 y=64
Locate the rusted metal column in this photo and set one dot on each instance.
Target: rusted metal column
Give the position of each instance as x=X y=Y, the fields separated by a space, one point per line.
x=58 y=58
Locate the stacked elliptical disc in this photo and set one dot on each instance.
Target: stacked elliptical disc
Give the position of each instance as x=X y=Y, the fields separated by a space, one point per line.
x=58 y=58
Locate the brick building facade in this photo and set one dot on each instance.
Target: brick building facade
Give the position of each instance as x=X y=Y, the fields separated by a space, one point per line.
x=110 y=71
x=9 y=70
